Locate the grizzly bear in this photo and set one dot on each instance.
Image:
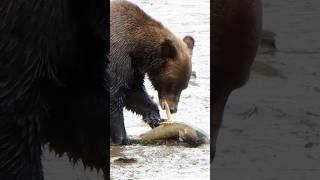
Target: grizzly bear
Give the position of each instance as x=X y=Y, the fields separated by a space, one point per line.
x=140 y=45
x=52 y=84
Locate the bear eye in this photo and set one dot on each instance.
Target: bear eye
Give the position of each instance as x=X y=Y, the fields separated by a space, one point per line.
x=175 y=84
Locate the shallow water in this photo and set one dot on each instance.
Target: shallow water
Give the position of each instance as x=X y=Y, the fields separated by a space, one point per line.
x=182 y=17
x=271 y=128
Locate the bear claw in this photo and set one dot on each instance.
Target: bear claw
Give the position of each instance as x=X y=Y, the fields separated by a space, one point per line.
x=153 y=119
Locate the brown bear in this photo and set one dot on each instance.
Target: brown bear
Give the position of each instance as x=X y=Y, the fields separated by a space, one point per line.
x=236 y=34
x=140 y=45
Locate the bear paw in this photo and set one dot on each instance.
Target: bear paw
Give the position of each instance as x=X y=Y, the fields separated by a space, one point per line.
x=152 y=118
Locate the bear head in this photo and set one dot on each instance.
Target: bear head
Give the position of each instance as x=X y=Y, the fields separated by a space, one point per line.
x=174 y=73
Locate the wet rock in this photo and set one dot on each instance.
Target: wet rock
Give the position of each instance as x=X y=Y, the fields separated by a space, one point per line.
x=312 y=114
x=267 y=42
x=125 y=160
x=265 y=69
x=193 y=75
x=192 y=79
x=192 y=83
x=308 y=145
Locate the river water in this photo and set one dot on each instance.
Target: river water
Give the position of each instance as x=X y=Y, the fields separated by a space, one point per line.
x=271 y=128
x=182 y=17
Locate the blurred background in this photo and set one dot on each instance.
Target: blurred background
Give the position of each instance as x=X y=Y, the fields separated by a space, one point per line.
x=271 y=128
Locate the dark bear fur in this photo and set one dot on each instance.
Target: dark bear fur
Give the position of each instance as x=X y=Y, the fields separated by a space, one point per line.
x=52 y=83
x=140 y=45
x=235 y=39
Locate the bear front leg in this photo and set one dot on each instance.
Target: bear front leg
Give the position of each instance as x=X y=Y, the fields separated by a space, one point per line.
x=219 y=102
x=118 y=134
x=138 y=101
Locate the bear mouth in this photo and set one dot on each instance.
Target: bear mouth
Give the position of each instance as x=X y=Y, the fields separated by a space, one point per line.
x=162 y=104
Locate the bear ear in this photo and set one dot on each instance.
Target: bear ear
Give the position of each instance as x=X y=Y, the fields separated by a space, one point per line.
x=168 y=50
x=189 y=41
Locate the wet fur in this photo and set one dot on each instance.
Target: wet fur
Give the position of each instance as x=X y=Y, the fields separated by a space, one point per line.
x=52 y=84
x=140 y=45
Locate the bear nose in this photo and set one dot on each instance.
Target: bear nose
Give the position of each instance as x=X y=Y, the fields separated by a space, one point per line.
x=173 y=109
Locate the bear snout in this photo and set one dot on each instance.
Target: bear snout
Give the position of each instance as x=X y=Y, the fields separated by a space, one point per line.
x=173 y=106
